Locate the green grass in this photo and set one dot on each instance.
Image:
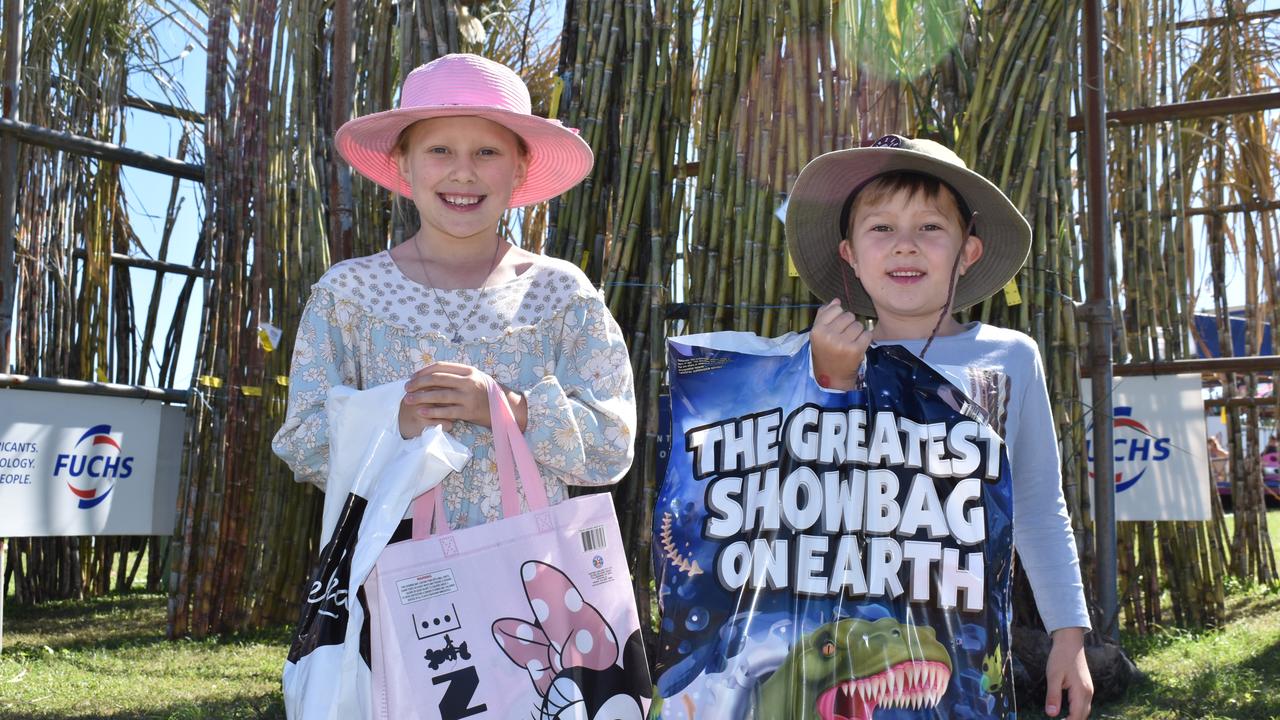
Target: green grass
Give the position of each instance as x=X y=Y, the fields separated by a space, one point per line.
x=107 y=658
x=1232 y=672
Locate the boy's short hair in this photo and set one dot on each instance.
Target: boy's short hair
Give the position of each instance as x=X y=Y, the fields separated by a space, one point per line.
x=882 y=187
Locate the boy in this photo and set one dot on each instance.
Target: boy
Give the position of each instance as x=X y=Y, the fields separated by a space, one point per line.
x=905 y=233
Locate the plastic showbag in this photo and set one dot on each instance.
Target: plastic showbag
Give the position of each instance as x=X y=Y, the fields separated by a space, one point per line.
x=829 y=555
x=374 y=475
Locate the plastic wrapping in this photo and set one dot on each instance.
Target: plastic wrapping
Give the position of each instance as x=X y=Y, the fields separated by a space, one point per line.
x=374 y=474
x=829 y=555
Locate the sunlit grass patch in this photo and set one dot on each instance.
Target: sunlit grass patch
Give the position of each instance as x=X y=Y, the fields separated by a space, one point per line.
x=108 y=657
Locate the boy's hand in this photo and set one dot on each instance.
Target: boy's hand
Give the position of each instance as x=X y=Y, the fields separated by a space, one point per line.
x=1067 y=670
x=838 y=342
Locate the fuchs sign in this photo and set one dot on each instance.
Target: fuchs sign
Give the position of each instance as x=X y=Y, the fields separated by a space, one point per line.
x=1161 y=460
x=87 y=465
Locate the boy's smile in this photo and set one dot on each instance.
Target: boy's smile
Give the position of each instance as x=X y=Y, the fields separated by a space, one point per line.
x=902 y=250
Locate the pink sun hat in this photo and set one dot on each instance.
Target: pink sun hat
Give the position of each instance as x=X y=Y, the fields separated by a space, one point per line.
x=462 y=84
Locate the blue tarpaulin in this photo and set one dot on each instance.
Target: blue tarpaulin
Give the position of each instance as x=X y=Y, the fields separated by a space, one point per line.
x=1207 y=326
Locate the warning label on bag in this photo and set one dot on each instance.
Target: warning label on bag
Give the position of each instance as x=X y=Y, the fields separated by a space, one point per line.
x=425 y=587
x=694 y=365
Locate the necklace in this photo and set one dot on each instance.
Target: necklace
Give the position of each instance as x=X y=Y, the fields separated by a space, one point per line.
x=456 y=337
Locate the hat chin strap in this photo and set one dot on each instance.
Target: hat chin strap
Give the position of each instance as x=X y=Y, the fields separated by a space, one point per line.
x=844 y=279
x=951 y=285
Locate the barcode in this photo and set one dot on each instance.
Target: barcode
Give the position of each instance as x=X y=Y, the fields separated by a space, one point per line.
x=593 y=538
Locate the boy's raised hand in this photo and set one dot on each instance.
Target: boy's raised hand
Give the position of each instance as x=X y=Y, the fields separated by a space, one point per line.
x=838 y=342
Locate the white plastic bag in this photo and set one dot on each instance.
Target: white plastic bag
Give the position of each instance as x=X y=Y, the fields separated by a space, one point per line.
x=374 y=475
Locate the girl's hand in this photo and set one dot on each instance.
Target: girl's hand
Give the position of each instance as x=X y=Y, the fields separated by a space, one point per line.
x=838 y=342
x=1067 y=670
x=442 y=393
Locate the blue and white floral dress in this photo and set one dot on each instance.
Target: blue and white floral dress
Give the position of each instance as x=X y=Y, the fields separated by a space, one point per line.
x=546 y=333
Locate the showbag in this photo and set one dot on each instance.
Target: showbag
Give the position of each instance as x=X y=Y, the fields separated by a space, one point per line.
x=830 y=555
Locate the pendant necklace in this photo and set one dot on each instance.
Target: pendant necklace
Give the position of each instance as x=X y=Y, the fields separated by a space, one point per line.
x=454 y=328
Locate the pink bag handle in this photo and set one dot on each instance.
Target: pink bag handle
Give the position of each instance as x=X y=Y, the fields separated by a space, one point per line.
x=511 y=454
x=428 y=513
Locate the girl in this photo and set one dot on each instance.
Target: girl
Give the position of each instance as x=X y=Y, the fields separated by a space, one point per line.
x=457 y=302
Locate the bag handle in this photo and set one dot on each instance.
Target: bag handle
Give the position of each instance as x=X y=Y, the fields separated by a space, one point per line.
x=428 y=513
x=511 y=454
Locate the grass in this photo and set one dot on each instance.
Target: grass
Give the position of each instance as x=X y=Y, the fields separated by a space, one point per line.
x=1231 y=672
x=1228 y=673
x=107 y=658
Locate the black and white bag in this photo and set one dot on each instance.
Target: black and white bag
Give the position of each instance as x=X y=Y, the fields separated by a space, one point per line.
x=374 y=475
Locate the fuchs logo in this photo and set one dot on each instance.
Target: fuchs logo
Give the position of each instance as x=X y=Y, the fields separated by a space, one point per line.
x=1136 y=448
x=93 y=466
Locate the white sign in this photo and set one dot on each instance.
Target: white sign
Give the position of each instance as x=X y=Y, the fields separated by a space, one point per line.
x=1161 y=459
x=87 y=465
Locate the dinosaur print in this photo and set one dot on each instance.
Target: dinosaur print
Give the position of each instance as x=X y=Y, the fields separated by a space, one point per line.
x=846 y=669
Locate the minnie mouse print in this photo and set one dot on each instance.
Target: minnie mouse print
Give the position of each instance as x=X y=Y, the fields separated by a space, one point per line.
x=571 y=653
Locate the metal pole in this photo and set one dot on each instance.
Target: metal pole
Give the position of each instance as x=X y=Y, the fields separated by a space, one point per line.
x=160 y=108
x=1213 y=107
x=9 y=176
x=44 y=137
x=1251 y=364
x=1098 y=312
x=341 y=244
x=2 y=592
x=149 y=264
x=81 y=387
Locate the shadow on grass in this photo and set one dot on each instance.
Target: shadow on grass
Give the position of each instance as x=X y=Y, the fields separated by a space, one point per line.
x=1239 y=691
x=265 y=706
x=1259 y=602
x=107 y=622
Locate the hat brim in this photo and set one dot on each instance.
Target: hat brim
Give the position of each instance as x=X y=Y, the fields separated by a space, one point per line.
x=558 y=158
x=814 y=233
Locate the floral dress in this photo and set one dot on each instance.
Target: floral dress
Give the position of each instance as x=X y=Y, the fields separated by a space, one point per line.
x=546 y=333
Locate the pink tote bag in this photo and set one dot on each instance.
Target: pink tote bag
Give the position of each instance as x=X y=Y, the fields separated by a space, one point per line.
x=531 y=616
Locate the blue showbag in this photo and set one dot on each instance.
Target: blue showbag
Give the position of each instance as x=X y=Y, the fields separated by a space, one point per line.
x=829 y=555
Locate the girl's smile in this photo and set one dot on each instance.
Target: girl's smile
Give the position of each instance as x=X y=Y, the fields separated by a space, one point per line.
x=462 y=203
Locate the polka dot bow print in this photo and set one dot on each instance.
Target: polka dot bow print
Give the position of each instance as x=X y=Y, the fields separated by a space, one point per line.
x=572 y=654
x=566 y=631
